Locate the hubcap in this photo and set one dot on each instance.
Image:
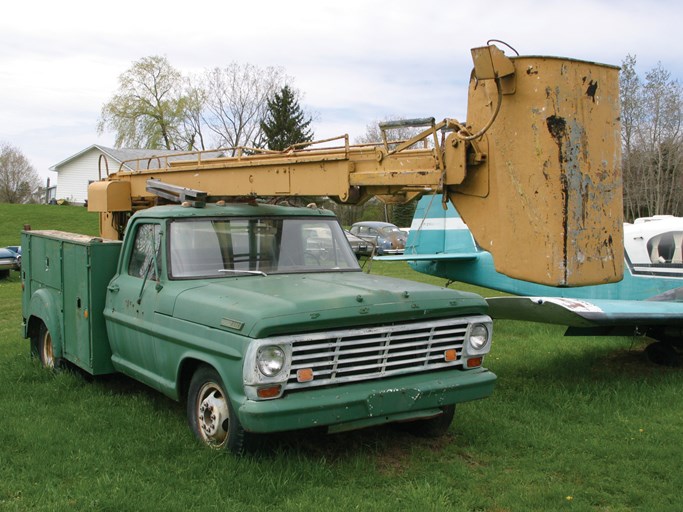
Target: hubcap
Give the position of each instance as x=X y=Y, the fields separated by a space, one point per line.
x=47 y=351
x=213 y=415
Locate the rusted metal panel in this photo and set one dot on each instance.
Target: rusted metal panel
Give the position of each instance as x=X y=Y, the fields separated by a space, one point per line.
x=548 y=202
x=535 y=171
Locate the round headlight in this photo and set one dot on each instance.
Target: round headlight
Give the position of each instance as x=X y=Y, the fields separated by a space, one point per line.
x=270 y=360
x=479 y=336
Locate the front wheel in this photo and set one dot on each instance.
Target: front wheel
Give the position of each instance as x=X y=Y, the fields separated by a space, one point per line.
x=211 y=415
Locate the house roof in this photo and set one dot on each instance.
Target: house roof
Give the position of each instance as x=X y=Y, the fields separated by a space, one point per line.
x=118 y=156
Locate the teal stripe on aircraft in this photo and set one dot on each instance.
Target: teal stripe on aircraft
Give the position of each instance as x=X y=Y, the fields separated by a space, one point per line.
x=440 y=244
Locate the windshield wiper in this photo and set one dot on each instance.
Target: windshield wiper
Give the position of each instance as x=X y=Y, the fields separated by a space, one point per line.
x=237 y=271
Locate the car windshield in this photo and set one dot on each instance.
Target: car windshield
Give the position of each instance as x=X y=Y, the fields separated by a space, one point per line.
x=257 y=246
x=387 y=230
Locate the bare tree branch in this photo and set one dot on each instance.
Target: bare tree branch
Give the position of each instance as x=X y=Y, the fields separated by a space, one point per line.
x=652 y=142
x=19 y=182
x=236 y=102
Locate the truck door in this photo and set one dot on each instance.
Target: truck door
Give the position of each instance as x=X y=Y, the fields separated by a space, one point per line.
x=132 y=299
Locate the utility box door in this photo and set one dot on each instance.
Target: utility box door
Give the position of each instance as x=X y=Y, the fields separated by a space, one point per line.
x=87 y=269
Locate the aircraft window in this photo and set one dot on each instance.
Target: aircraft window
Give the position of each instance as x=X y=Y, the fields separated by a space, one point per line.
x=666 y=248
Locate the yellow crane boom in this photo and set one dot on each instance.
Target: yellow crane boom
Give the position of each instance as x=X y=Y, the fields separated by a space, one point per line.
x=535 y=172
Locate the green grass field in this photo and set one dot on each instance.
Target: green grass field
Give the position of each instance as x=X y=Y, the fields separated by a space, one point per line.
x=581 y=424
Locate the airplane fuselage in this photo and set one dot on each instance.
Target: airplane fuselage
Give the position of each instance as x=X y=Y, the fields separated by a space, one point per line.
x=653 y=262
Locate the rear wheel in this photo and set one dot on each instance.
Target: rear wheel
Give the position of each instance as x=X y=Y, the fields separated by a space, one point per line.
x=431 y=427
x=42 y=343
x=211 y=415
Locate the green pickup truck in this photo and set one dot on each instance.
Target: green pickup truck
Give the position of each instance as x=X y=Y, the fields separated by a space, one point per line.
x=259 y=317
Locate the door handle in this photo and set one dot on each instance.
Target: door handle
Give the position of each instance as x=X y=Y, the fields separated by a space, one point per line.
x=113 y=288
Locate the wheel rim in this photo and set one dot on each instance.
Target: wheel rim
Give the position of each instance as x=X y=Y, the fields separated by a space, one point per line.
x=213 y=415
x=47 y=352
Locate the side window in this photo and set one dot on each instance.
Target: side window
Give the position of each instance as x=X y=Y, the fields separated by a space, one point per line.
x=146 y=248
x=666 y=247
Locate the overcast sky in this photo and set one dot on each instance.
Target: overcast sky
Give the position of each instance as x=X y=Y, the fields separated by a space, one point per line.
x=354 y=61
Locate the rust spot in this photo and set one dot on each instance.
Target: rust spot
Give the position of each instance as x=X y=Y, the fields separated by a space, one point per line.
x=592 y=88
x=557 y=126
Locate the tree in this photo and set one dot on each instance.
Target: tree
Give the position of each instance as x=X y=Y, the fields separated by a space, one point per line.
x=652 y=112
x=236 y=103
x=19 y=182
x=149 y=109
x=373 y=134
x=192 y=131
x=157 y=107
x=285 y=123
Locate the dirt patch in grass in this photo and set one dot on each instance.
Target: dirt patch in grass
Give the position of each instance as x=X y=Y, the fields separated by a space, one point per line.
x=632 y=362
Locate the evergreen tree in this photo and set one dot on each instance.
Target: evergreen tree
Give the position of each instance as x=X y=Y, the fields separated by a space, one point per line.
x=285 y=122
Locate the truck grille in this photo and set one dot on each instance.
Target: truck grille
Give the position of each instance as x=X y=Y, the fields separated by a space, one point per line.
x=351 y=355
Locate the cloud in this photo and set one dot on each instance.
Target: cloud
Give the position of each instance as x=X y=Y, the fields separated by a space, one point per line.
x=355 y=61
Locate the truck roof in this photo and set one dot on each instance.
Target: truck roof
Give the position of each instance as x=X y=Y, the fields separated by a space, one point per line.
x=232 y=210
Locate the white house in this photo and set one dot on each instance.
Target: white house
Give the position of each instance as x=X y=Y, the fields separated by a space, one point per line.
x=93 y=163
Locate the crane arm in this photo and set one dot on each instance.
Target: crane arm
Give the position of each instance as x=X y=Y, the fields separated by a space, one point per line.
x=535 y=172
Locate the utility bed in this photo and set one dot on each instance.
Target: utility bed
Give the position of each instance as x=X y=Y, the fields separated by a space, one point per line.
x=72 y=270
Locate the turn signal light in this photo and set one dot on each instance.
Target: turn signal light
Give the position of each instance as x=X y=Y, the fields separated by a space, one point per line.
x=271 y=392
x=474 y=362
x=450 y=355
x=304 y=375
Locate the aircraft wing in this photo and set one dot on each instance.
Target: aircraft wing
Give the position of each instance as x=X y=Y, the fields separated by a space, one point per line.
x=442 y=256
x=587 y=313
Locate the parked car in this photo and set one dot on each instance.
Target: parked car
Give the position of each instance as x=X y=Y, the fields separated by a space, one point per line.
x=8 y=261
x=360 y=246
x=16 y=249
x=386 y=236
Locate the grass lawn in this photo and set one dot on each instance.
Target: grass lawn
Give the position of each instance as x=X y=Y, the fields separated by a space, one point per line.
x=580 y=424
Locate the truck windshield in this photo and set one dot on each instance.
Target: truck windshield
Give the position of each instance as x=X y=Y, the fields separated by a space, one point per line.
x=257 y=246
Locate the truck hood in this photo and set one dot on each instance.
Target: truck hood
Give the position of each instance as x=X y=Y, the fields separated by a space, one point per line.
x=260 y=306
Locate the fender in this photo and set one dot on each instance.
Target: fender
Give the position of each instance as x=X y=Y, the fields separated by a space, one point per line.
x=45 y=305
x=228 y=367
x=223 y=356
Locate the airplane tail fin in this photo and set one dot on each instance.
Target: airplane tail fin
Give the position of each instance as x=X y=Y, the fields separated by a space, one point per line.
x=436 y=230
